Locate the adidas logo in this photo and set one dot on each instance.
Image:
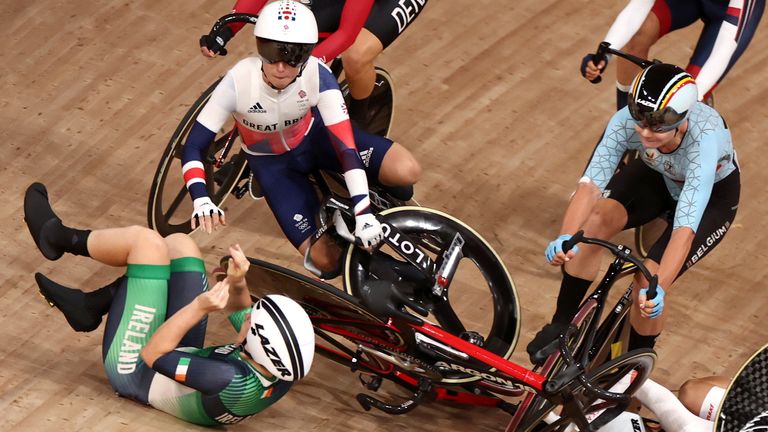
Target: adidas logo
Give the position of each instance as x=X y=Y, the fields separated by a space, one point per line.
x=365 y=155
x=256 y=108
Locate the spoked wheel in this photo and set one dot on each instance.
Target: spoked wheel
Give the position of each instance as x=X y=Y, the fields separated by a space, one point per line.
x=381 y=105
x=534 y=407
x=481 y=299
x=170 y=207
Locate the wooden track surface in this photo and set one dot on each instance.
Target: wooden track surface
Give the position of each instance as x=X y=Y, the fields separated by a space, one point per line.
x=489 y=99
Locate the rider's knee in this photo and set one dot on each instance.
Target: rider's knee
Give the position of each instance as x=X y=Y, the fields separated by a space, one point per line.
x=644 y=38
x=409 y=171
x=149 y=242
x=692 y=394
x=181 y=245
x=362 y=53
x=605 y=219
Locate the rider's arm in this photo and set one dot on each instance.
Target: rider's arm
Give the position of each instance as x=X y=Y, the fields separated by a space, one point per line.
x=693 y=200
x=671 y=413
x=334 y=113
x=213 y=116
x=170 y=333
x=722 y=52
x=252 y=7
x=352 y=20
x=628 y=22
x=208 y=376
x=599 y=171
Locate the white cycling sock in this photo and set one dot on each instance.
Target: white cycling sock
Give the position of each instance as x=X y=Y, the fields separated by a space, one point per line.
x=671 y=413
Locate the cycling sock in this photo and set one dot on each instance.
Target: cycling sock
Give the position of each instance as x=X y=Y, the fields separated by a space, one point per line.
x=636 y=340
x=358 y=110
x=572 y=291
x=74 y=241
x=403 y=193
x=621 y=98
x=73 y=303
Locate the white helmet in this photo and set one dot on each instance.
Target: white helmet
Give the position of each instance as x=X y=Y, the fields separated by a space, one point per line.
x=286 y=21
x=281 y=337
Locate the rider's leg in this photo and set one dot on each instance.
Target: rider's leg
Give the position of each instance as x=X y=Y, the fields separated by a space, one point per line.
x=325 y=253
x=399 y=171
x=703 y=396
x=608 y=217
x=360 y=73
x=639 y=45
x=644 y=331
x=188 y=280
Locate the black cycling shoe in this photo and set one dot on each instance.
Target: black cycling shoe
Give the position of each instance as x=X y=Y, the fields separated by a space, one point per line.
x=41 y=220
x=71 y=303
x=545 y=342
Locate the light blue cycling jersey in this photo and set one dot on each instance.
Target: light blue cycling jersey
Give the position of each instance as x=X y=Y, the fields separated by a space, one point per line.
x=704 y=157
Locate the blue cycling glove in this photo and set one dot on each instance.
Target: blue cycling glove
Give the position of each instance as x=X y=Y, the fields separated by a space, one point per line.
x=658 y=301
x=591 y=57
x=556 y=246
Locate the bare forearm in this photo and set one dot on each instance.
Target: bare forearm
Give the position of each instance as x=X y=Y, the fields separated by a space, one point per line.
x=674 y=256
x=168 y=336
x=239 y=296
x=581 y=205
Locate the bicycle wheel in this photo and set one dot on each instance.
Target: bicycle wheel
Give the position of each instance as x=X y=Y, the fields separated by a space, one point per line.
x=647 y=235
x=381 y=104
x=534 y=407
x=481 y=298
x=340 y=322
x=627 y=372
x=170 y=208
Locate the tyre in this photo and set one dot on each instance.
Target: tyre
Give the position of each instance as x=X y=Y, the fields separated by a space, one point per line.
x=482 y=297
x=634 y=367
x=381 y=104
x=534 y=407
x=170 y=206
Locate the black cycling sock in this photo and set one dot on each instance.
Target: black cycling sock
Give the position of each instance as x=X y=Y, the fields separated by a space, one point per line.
x=74 y=241
x=358 y=111
x=636 y=340
x=403 y=193
x=621 y=98
x=101 y=299
x=572 y=290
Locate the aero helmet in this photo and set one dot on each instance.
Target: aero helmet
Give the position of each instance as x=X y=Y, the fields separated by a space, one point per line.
x=281 y=337
x=661 y=96
x=286 y=31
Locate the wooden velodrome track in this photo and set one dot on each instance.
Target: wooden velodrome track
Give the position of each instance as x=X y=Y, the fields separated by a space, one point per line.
x=489 y=99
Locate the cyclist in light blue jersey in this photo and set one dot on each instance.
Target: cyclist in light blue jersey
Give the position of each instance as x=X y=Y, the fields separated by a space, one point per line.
x=687 y=173
x=157 y=316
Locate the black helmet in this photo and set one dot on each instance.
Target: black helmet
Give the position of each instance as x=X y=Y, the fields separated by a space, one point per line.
x=661 y=96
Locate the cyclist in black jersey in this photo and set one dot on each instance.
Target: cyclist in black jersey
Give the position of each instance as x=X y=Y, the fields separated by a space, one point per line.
x=157 y=315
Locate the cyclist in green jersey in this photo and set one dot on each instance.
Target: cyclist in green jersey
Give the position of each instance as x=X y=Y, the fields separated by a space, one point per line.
x=157 y=315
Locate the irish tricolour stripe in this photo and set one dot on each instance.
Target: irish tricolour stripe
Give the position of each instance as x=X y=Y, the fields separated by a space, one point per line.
x=181 y=369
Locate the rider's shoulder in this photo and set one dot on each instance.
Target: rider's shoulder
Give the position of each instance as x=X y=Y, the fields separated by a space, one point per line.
x=704 y=118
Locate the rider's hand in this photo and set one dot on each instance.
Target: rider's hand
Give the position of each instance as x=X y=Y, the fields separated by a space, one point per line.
x=554 y=252
x=215 y=298
x=654 y=307
x=214 y=42
x=368 y=231
x=590 y=70
x=207 y=215
x=238 y=264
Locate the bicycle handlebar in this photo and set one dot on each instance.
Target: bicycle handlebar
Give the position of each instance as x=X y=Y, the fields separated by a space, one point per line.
x=620 y=252
x=233 y=18
x=605 y=48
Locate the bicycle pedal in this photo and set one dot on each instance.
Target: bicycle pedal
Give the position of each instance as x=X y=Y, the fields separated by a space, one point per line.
x=373 y=384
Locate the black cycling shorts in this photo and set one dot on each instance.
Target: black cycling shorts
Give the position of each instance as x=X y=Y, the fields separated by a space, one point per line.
x=643 y=193
x=388 y=18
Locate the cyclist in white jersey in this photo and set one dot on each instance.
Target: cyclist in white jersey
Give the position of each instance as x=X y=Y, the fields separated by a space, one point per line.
x=687 y=173
x=292 y=119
